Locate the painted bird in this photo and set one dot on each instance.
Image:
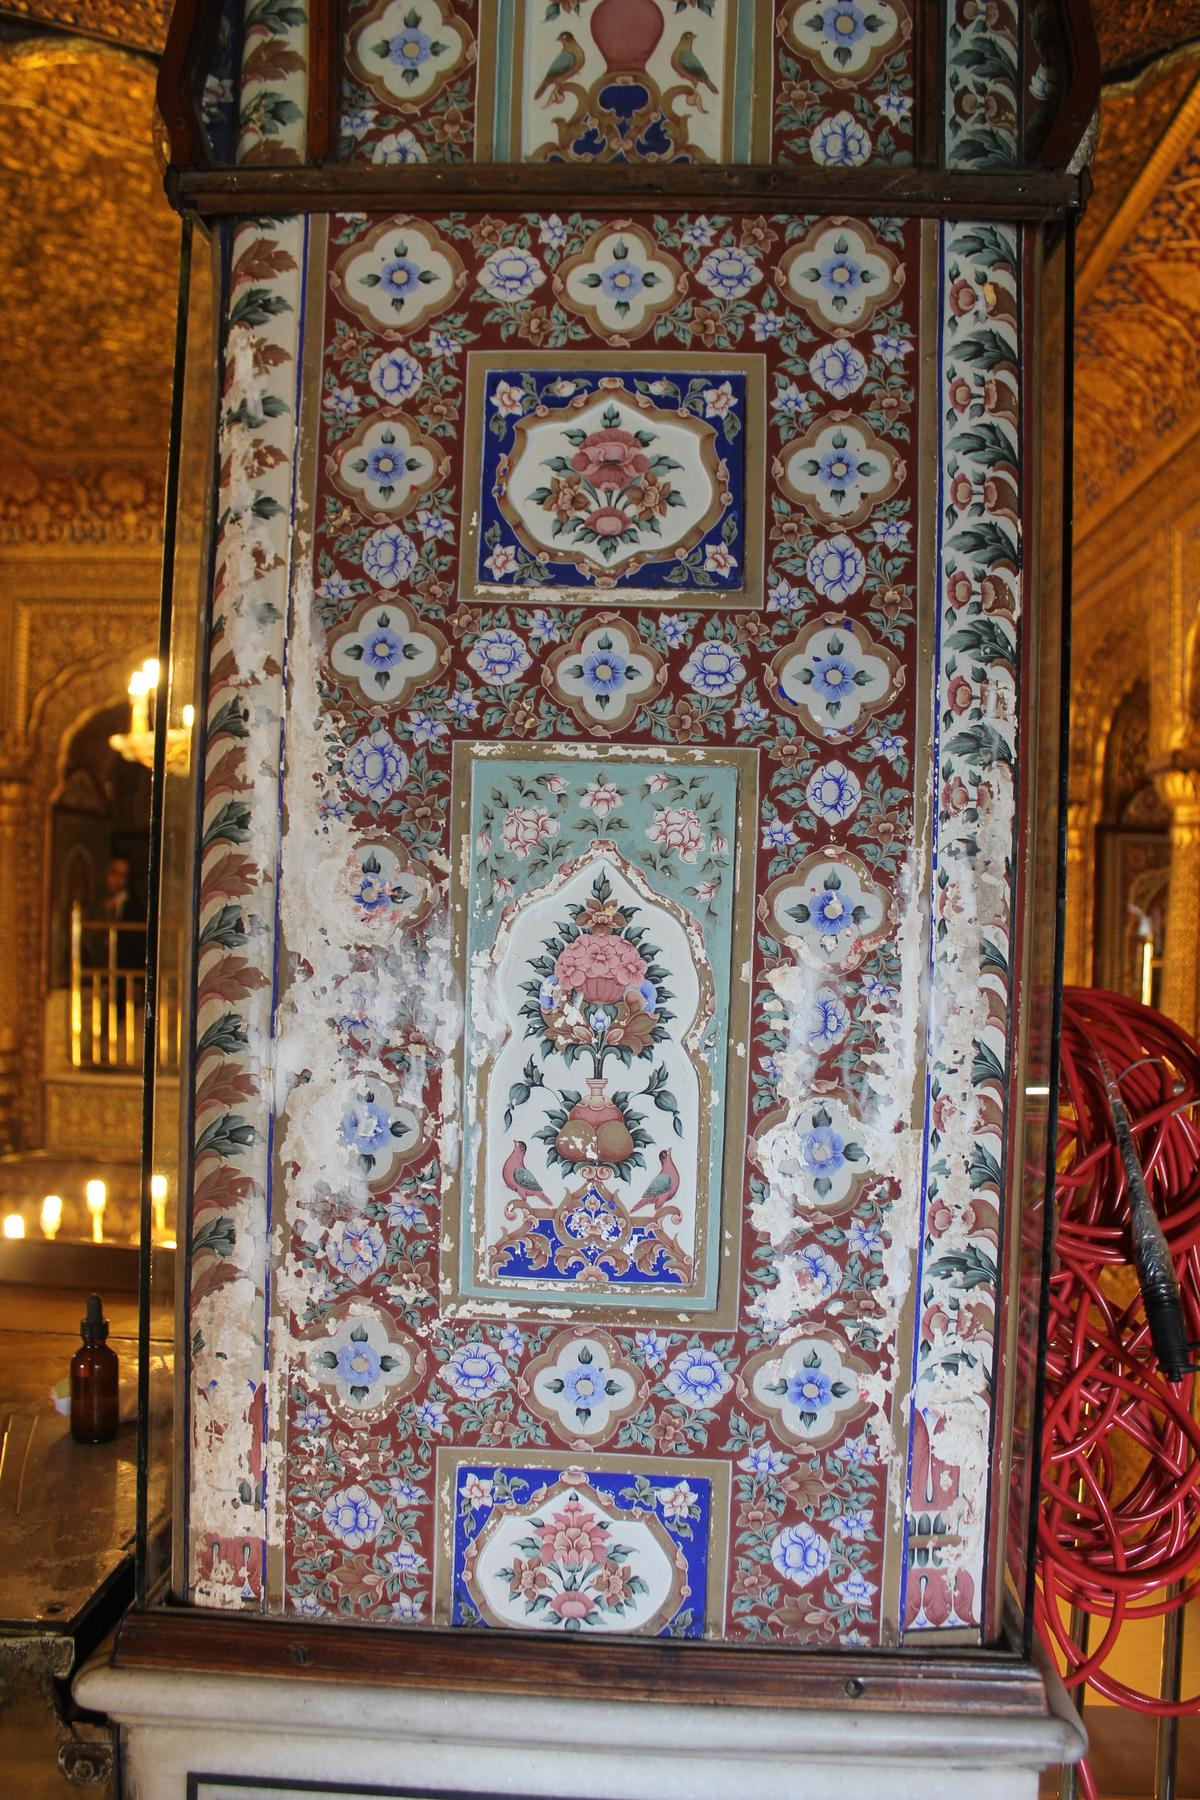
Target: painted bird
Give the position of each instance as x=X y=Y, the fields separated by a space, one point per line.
x=516 y=1176
x=664 y=1186
x=565 y=66
x=690 y=69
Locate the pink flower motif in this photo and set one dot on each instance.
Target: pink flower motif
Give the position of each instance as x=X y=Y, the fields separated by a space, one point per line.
x=600 y=967
x=679 y=831
x=718 y=400
x=718 y=560
x=525 y=827
x=610 y=458
x=502 y=561
x=607 y=521
x=573 y=1539
x=508 y=399
x=601 y=798
x=573 y=1607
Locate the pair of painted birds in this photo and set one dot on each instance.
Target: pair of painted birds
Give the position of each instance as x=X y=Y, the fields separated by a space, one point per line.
x=570 y=60
x=661 y=1188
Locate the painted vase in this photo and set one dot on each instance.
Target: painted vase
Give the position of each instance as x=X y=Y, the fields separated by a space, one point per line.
x=595 y=1131
x=626 y=33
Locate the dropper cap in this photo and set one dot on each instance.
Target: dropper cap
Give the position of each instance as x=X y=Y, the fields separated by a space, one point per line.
x=94 y=1328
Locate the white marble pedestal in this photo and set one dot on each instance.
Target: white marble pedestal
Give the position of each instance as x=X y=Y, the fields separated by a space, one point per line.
x=300 y=1736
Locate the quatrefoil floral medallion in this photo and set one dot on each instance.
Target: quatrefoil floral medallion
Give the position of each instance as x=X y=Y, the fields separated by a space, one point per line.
x=363 y=1364
x=401 y=276
x=839 y=470
x=841 y=275
x=834 y=676
x=828 y=912
x=847 y=39
x=582 y=1387
x=620 y=282
x=605 y=674
x=386 y=466
x=808 y=1392
x=406 y=51
x=386 y=653
x=817 y=1161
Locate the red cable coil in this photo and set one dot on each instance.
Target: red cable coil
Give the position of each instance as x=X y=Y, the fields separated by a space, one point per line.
x=1120 y=1491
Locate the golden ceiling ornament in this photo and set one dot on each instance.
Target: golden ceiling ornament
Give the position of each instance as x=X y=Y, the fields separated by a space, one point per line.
x=138 y=24
x=83 y=193
x=1130 y=32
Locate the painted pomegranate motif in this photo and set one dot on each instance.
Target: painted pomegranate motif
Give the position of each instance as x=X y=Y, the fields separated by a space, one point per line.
x=595 y=1131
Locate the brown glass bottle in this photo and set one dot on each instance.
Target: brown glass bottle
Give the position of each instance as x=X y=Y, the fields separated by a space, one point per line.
x=94 y=1380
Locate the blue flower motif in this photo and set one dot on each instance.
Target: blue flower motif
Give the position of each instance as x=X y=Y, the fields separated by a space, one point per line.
x=511 y=274
x=357 y=1249
x=366 y=1128
x=777 y=834
x=351 y=1515
x=856 y=1590
x=894 y=534
x=810 y=1390
x=308 y=1606
x=789 y=402
x=375 y=766
x=405 y=1493
x=358 y=122
x=673 y=630
x=475 y=1370
x=312 y=1419
x=714 y=668
x=852 y=1525
x=426 y=729
x=358 y=1364
x=890 y=746
x=833 y=792
x=697 y=1378
x=432 y=525
x=395 y=376
x=840 y=274
x=890 y=347
x=831 y=1022
x=816 y=1267
x=652 y=1346
x=432 y=1415
x=836 y=568
x=766 y=325
x=511 y=1341
x=838 y=368
x=409 y=48
x=863 y=1240
x=860 y=1452
x=622 y=279
x=465 y=707
x=499 y=657
x=749 y=714
x=832 y=676
x=583 y=1386
x=342 y=402
x=843 y=23
x=553 y=232
x=382 y=648
x=605 y=671
x=443 y=343
x=783 y=597
x=829 y=912
x=762 y=1460
x=405 y=1213
x=822 y=1152
x=894 y=106
x=396 y=148
x=599 y=1020
x=729 y=272
x=334 y=587
x=403 y=1558
x=384 y=465
x=544 y=629
x=840 y=143
x=400 y=277
x=799 y=1553
x=838 y=468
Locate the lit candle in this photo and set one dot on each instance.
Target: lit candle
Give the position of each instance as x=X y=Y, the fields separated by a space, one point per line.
x=139 y=723
x=14 y=1225
x=1147 y=971
x=96 y=1197
x=51 y=1215
x=158 y=1200
x=189 y=717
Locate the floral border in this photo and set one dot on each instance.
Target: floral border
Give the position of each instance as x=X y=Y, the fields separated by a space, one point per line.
x=983 y=61
x=971 y=946
x=239 y=855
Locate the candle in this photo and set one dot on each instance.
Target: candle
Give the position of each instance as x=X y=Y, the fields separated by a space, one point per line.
x=158 y=1200
x=51 y=1215
x=96 y=1197
x=14 y=1225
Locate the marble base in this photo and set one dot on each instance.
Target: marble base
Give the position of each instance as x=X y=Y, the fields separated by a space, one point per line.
x=346 y=1738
